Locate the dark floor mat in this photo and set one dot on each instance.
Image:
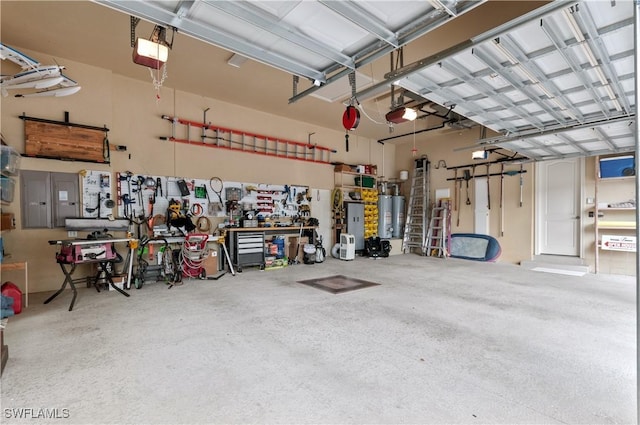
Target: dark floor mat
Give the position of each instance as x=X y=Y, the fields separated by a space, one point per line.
x=338 y=284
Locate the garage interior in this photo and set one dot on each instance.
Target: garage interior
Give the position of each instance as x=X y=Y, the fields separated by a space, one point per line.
x=525 y=124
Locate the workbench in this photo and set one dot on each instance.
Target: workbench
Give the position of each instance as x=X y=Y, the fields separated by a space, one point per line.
x=246 y=244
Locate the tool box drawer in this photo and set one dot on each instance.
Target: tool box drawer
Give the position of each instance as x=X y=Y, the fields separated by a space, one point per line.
x=249 y=249
x=247 y=239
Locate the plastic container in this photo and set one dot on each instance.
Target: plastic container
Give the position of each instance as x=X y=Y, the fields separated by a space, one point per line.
x=279 y=243
x=11 y=290
x=366 y=181
x=619 y=166
x=9 y=160
x=7 y=188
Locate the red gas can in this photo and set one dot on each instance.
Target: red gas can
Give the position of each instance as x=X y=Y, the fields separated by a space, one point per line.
x=10 y=289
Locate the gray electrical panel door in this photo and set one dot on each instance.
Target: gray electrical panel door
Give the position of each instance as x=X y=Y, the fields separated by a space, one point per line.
x=48 y=198
x=65 y=197
x=355 y=223
x=35 y=198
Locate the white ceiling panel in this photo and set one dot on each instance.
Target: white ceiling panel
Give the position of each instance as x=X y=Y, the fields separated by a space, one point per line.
x=321 y=40
x=567 y=74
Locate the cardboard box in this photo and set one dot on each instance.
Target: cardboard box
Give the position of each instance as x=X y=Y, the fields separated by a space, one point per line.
x=8 y=221
x=295 y=242
x=119 y=281
x=210 y=263
x=343 y=167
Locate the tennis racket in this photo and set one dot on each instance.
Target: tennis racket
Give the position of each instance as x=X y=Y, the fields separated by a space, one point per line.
x=216 y=185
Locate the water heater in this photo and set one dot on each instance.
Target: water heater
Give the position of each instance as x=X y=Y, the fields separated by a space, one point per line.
x=385 y=226
x=397 y=216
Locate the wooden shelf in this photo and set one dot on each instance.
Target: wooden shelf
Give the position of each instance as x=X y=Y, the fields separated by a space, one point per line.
x=606 y=227
x=600 y=179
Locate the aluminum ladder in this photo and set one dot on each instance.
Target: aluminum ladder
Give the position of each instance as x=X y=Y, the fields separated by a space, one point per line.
x=439 y=233
x=414 y=239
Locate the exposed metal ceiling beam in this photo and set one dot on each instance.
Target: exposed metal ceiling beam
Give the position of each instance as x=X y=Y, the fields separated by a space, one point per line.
x=571 y=142
x=184 y=8
x=525 y=89
x=363 y=19
x=562 y=48
x=511 y=25
x=444 y=6
x=258 y=18
x=531 y=69
x=604 y=138
x=526 y=135
x=405 y=35
x=456 y=68
x=596 y=44
x=151 y=11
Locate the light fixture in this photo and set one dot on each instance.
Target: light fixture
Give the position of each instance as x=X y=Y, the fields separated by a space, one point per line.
x=573 y=25
x=479 y=155
x=149 y=53
x=401 y=115
x=507 y=54
x=154 y=52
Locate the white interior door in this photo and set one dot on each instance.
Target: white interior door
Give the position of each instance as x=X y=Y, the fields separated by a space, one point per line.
x=558 y=197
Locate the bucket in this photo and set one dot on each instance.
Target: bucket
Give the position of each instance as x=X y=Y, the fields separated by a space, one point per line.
x=309 y=254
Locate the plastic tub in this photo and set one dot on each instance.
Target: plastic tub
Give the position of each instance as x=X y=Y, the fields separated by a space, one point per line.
x=7 y=187
x=9 y=160
x=366 y=181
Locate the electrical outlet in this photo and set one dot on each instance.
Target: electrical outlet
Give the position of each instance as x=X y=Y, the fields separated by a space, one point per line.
x=590 y=201
x=72 y=234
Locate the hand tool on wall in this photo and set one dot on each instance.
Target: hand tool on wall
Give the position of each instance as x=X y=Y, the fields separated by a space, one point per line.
x=455 y=189
x=521 y=185
x=467 y=177
x=501 y=199
x=488 y=189
x=459 y=183
x=473 y=176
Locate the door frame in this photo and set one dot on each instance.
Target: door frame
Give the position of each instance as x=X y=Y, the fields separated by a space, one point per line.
x=538 y=215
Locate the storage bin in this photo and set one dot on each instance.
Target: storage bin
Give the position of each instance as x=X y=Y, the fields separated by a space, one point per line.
x=617 y=166
x=366 y=181
x=7 y=186
x=9 y=160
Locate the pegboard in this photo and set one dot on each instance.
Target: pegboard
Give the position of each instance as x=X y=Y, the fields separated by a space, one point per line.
x=96 y=189
x=139 y=196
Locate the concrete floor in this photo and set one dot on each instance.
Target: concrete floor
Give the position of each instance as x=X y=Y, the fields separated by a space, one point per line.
x=440 y=341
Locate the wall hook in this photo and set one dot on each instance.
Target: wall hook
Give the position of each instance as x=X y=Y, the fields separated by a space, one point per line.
x=441 y=163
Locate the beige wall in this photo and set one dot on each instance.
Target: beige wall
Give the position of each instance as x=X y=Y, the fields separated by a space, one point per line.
x=129 y=109
x=517 y=242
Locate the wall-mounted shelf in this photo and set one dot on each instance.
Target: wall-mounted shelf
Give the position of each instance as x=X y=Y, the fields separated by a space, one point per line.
x=620 y=224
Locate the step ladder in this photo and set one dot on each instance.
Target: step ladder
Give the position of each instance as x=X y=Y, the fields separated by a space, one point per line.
x=415 y=231
x=439 y=233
